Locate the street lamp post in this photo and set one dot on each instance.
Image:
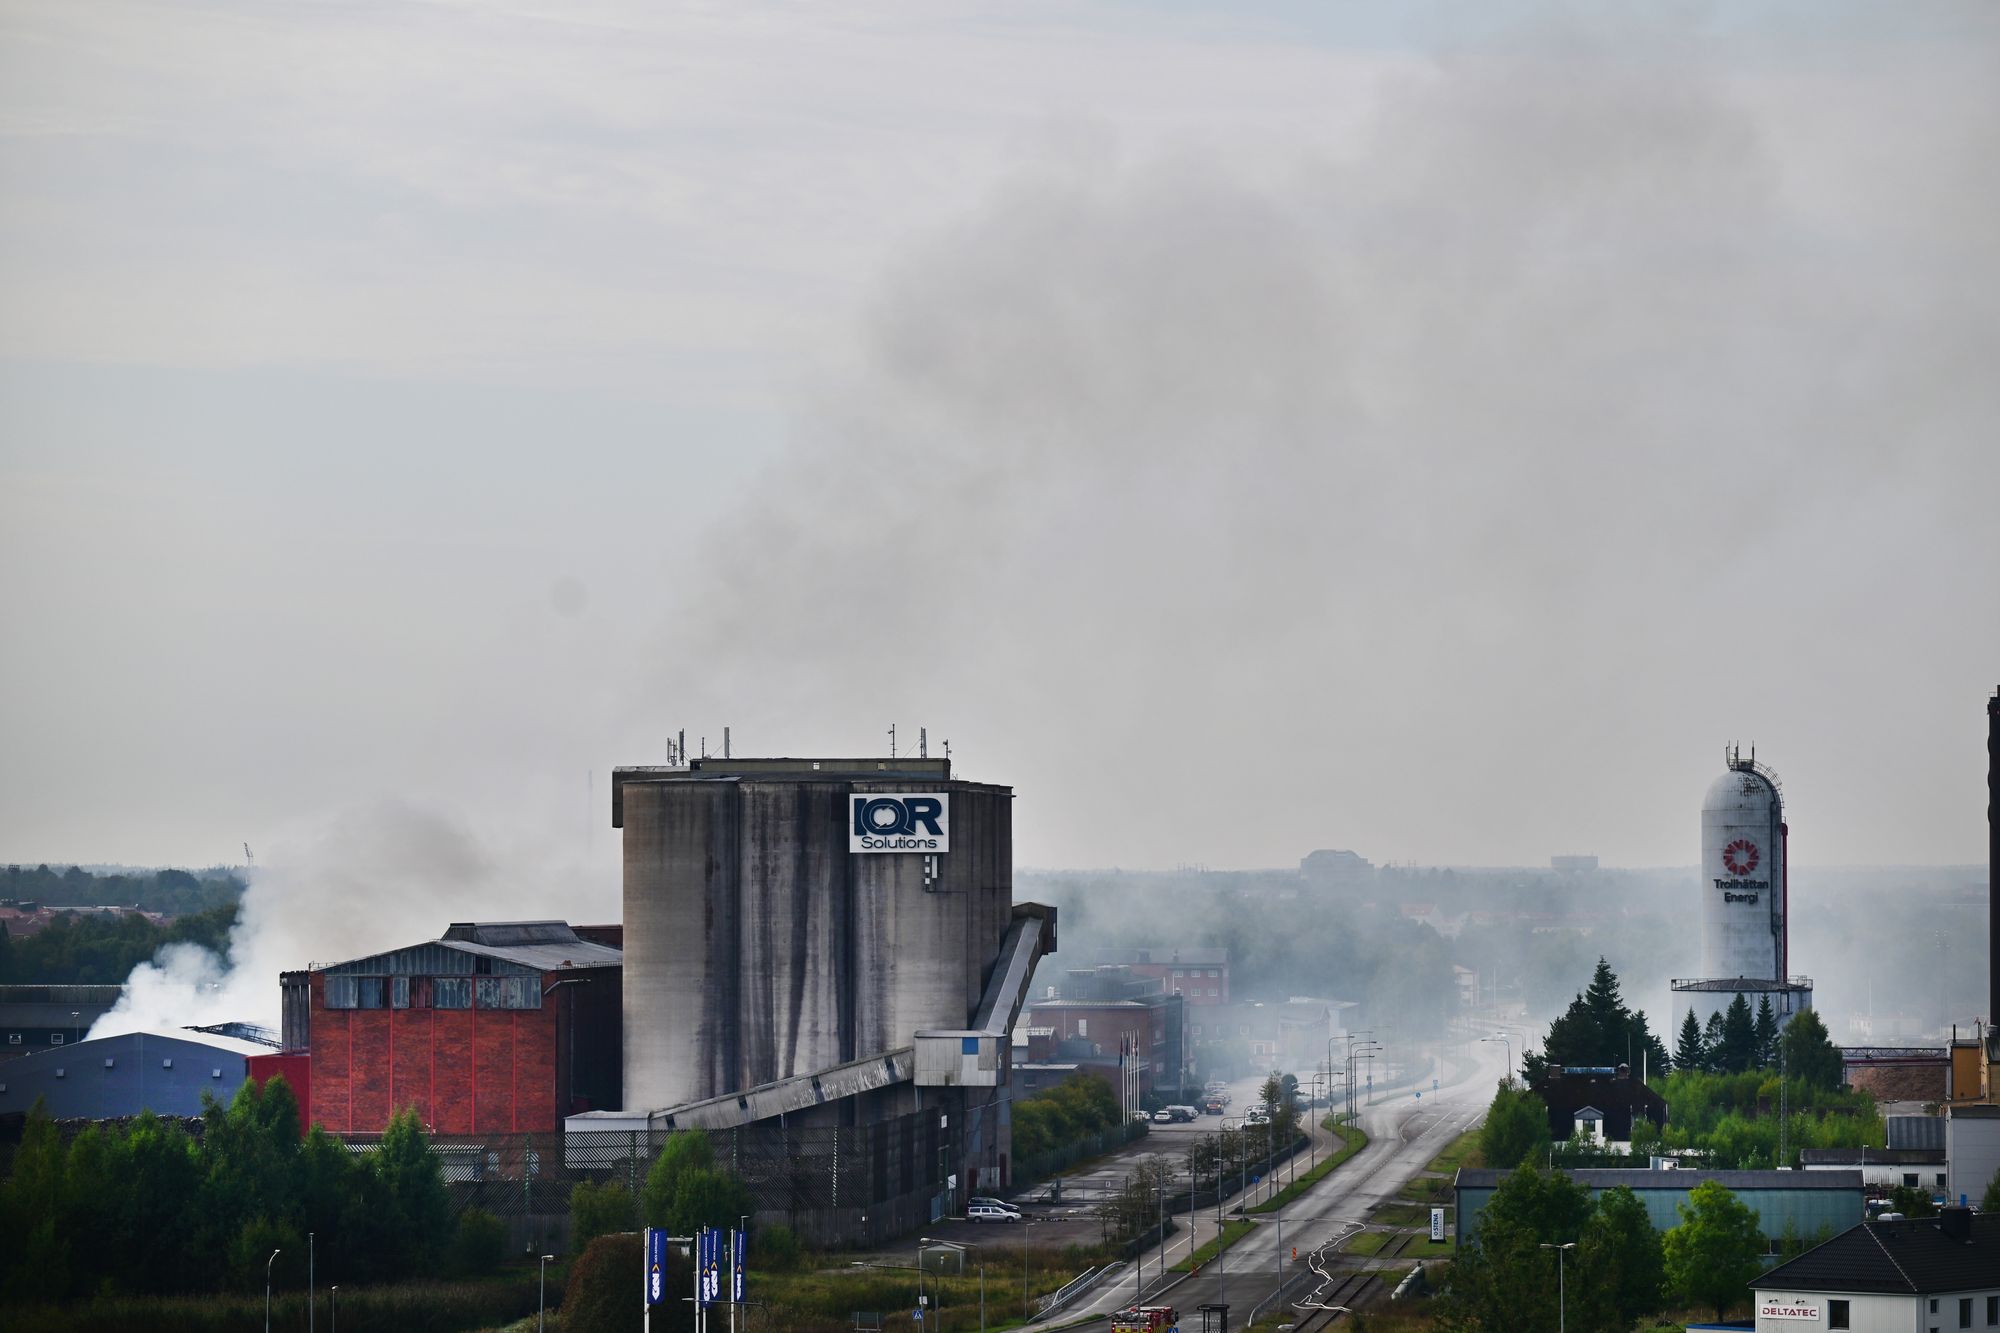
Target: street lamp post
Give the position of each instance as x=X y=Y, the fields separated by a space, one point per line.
x=1352 y=1051
x=334 y=1291
x=267 y=1288
x=542 y=1308
x=1562 y=1296
x=1507 y=1042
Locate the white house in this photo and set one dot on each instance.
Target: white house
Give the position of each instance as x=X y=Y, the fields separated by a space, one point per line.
x=1902 y=1275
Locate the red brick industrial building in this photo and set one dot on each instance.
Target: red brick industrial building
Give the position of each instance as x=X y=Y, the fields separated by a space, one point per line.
x=496 y=1028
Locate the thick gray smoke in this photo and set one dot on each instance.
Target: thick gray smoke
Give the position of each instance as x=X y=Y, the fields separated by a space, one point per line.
x=1601 y=398
x=364 y=880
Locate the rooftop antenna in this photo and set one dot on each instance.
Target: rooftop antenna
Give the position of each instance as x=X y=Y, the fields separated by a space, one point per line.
x=681 y=747
x=725 y=742
x=923 y=742
x=892 y=740
x=249 y=861
x=704 y=747
x=947 y=751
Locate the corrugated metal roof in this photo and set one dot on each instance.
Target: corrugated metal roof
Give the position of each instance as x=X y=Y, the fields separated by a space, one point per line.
x=539 y=946
x=546 y=957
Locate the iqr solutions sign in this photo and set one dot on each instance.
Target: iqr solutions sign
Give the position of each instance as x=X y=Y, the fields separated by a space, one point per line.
x=899 y=822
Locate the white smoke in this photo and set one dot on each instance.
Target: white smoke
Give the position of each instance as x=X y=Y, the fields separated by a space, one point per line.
x=365 y=880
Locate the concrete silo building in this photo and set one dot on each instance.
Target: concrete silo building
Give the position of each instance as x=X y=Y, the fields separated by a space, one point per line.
x=823 y=966
x=1745 y=899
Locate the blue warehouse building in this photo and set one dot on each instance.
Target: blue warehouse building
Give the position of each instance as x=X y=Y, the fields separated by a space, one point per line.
x=1801 y=1203
x=111 y=1077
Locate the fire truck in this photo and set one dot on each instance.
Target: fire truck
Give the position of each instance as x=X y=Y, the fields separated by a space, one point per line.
x=1145 y=1319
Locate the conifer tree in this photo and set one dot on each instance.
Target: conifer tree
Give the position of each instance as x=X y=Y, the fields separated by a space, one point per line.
x=1711 y=1044
x=1767 y=1033
x=1690 y=1055
x=1739 y=1037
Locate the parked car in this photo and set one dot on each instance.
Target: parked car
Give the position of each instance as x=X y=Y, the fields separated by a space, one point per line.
x=986 y=1212
x=982 y=1201
x=1184 y=1114
x=1164 y=1116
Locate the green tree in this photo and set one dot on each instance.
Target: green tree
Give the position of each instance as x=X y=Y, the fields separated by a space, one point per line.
x=1502 y=1278
x=1689 y=1052
x=708 y=1197
x=598 y=1210
x=685 y=1152
x=1711 y=1044
x=411 y=1210
x=1714 y=1253
x=1809 y=1053
x=478 y=1243
x=686 y=1189
x=1912 y=1202
x=1516 y=1128
x=1739 y=1037
x=1624 y=1257
x=1767 y=1033
x=1990 y=1202
x=1648 y=1052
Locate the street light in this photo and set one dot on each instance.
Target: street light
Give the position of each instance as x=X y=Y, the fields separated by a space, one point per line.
x=1508 y=1042
x=336 y=1307
x=1562 y=1299
x=542 y=1311
x=267 y=1288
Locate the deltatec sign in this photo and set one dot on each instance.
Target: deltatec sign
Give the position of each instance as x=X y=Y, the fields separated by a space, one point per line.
x=1798 y=1308
x=899 y=822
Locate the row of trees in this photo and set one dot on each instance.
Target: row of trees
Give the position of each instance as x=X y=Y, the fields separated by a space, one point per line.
x=1619 y=1270
x=175 y=892
x=1599 y=1029
x=1735 y=1041
x=150 y=1208
x=102 y=949
x=1077 y=1108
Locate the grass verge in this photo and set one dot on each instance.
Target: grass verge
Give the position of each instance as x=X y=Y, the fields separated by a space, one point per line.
x=1232 y=1231
x=1353 y=1140
x=1367 y=1242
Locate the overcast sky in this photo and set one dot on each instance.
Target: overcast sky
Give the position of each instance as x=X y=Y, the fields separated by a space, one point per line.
x=1432 y=430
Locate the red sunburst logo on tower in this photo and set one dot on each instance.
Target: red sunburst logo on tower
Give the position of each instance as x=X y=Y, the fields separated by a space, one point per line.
x=1740 y=857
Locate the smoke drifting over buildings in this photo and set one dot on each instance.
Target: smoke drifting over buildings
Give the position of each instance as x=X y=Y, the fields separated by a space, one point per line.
x=364 y=879
x=1462 y=452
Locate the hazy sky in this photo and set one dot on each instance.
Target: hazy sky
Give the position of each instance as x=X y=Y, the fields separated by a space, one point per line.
x=1432 y=430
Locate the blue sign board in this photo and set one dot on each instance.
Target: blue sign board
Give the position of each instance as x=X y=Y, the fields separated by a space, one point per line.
x=738 y=1242
x=708 y=1267
x=656 y=1265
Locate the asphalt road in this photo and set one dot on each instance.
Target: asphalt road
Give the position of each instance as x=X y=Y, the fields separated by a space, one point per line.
x=1404 y=1133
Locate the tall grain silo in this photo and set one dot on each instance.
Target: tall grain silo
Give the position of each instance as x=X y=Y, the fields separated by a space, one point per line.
x=762 y=942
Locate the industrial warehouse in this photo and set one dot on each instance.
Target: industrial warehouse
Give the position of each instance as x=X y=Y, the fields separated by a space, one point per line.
x=820 y=963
